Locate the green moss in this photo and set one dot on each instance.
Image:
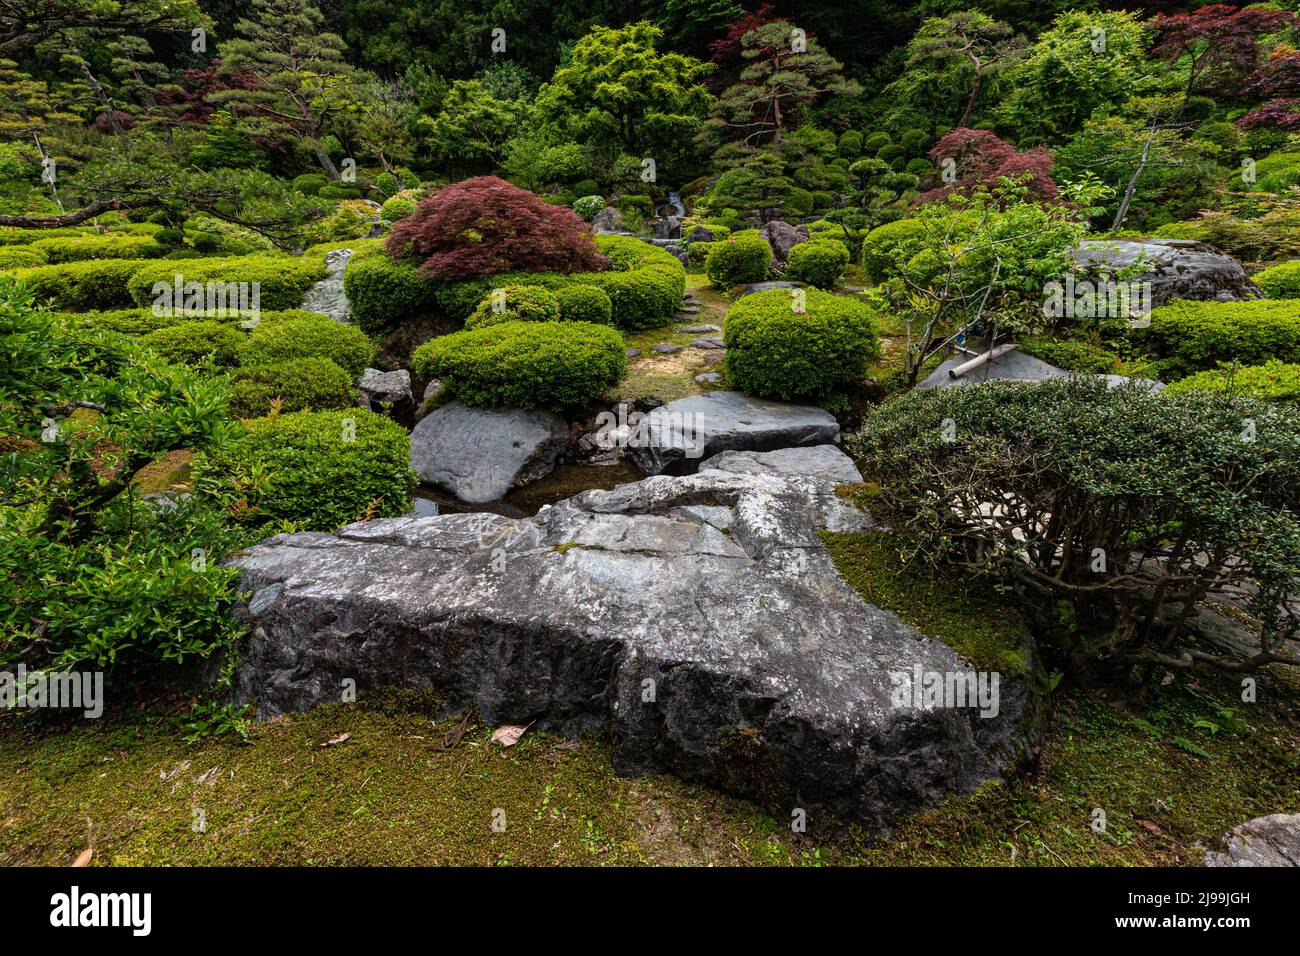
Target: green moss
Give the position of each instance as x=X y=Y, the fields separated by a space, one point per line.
x=989 y=634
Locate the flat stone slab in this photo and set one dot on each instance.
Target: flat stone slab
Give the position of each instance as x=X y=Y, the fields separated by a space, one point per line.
x=708 y=342
x=818 y=461
x=699 y=329
x=633 y=353
x=666 y=349
x=708 y=378
x=1265 y=841
x=680 y=434
x=767 y=286
x=478 y=454
x=1017 y=366
x=738 y=659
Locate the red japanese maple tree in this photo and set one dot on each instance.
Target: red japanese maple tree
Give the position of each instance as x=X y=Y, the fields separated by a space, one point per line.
x=1279 y=80
x=1217 y=38
x=482 y=226
x=981 y=158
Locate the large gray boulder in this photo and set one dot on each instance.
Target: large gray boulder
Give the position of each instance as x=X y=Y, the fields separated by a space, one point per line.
x=327 y=296
x=1176 y=268
x=478 y=454
x=677 y=436
x=1017 y=366
x=386 y=391
x=782 y=237
x=698 y=620
x=1265 y=841
x=608 y=219
x=819 y=461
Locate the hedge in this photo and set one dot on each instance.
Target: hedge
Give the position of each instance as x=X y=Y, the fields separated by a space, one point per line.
x=301 y=384
x=320 y=336
x=881 y=247
x=1281 y=281
x=144 y=321
x=1204 y=334
x=78 y=286
x=737 y=260
x=1272 y=382
x=21 y=257
x=818 y=262
x=526 y=364
x=78 y=248
x=282 y=280
x=197 y=343
x=320 y=469
x=775 y=352
x=381 y=292
x=518 y=303
x=585 y=303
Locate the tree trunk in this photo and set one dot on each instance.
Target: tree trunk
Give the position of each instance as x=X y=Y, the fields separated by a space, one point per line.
x=1133 y=181
x=104 y=100
x=974 y=92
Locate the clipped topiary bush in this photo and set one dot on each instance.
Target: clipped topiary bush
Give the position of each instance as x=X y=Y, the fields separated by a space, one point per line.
x=819 y=262
x=280 y=280
x=526 y=364
x=91 y=284
x=304 y=384
x=197 y=343
x=698 y=251
x=884 y=248
x=515 y=303
x=396 y=207
x=589 y=207
x=21 y=257
x=112 y=246
x=1204 y=334
x=310 y=184
x=144 y=321
x=381 y=292
x=775 y=352
x=320 y=336
x=1271 y=382
x=321 y=470
x=585 y=303
x=738 y=260
x=1281 y=281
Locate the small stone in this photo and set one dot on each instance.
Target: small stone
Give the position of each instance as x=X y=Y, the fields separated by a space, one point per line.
x=708 y=342
x=633 y=353
x=665 y=349
x=708 y=378
x=699 y=329
x=714 y=356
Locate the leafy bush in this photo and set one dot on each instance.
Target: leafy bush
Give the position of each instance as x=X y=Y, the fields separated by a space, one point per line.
x=144 y=321
x=819 y=262
x=1271 y=382
x=396 y=207
x=883 y=246
x=304 y=384
x=518 y=303
x=92 y=284
x=1071 y=354
x=197 y=343
x=20 y=257
x=1164 y=501
x=1203 y=334
x=381 y=292
x=585 y=303
x=281 y=280
x=589 y=207
x=310 y=184
x=339 y=191
x=319 y=469
x=1280 y=281
x=775 y=352
x=698 y=252
x=738 y=260
x=77 y=248
x=320 y=336
x=526 y=364
x=483 y=226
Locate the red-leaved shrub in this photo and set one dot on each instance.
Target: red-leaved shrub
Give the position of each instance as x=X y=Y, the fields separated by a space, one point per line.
x=484 y=225
x=982 y=159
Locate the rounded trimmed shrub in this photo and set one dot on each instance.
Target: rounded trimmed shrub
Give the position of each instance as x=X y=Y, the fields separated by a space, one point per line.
x=79 y=248
x=698 y=251
x=1281 y=281
x=1204 y=334
x=89 y=284
x=519 y=303
x=396 y=207
x=304 y=384
x=526 y=364
x=320 y=336
x=382 y=292
x=738 y=260
x=310 y=184
x=281 y=280
x=197 y=343
x=321 y=470
x=589 y=207
x=1271 y=382
x=882 y=247
x=585 y=303
x=775 y=352
x=818 y=262
x=21 y=257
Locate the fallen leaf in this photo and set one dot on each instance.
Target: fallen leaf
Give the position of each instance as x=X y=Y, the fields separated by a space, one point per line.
x=83 y=859
x=1152 y=827
x=335 y=741
x=508 y=735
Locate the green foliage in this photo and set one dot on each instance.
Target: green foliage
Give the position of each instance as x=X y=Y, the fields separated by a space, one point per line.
x=776 y=352
x=144 y=321
x=588 y=207
x=281 y=280
x=320 y=336
x=320 y=470
x=553 y=365
x=818 y=262
x=78 y=248
x=396 y=207
x=303 y=384
x=585 y=303
x=515 y=303
x=381 y=292
x=738 y=260
x=1273 y=381
x=197 y=343
x=1072 y=355
x=309 y=184
x=882 y=246
x=1280 y=281
x=90 y=284
x=1203 y=334
x=21 y=257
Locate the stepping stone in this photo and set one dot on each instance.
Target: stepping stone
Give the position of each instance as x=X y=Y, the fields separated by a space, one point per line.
x=633 y=353
x=767 y=287
x=665 y=349
x=708 y=378
x=699 y=329
x=714 y=356
x=708 y=342
x=688 y=310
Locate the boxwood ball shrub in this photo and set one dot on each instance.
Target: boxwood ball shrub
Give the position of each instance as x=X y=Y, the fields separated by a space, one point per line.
x=77 y=286
x=882 y=247
x=396 y=207
x=526 y=364
x=197 y=343
x=738 y=260
x=515 y=303
x=382 y=292
x=775 y=352
x=345 y=345
x=1271 y=382
x=585 y=303
x=1204 y=334
x=303 y=384
x=819 y=262
x=589 y=207
x=281 y=280
x=321 y=470
x=1281 y=281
